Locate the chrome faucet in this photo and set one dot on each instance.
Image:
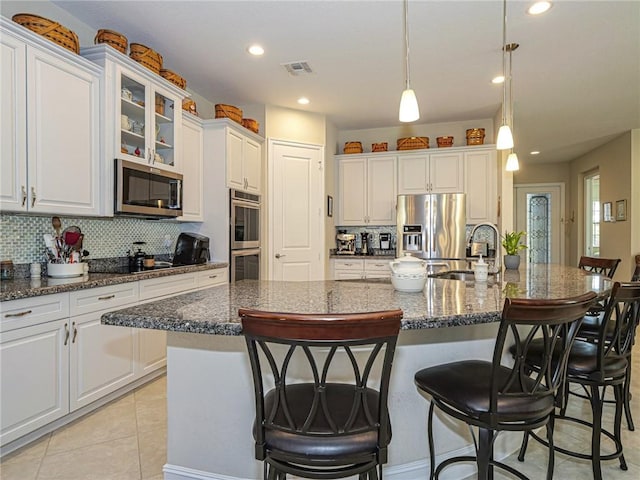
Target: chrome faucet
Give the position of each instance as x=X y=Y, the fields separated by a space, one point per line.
x=496 y=259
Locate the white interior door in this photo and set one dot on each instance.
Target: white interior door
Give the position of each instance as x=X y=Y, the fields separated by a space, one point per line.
x=539 y=212
x=296 y=211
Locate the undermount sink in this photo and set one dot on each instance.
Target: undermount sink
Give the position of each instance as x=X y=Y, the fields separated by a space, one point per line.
x=465 y=276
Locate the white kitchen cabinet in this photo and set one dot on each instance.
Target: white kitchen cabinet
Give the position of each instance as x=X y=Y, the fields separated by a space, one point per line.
x=54 y=95
x=377 y=268
x=431 y=173
x=34 y=356
x=481 y=172
x=102 y=357
x=367 y=190
x=360 y=268
x=152 y=344
x=243 y=156
x=192 y=169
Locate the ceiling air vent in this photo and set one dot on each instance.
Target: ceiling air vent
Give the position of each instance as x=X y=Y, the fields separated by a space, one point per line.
x=297 y=68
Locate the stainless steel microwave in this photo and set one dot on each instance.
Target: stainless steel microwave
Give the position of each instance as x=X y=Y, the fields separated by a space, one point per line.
x=146 y=190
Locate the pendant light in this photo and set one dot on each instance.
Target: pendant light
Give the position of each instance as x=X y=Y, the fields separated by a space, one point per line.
x=505 y=137
x=512 y=160
x=409 y=111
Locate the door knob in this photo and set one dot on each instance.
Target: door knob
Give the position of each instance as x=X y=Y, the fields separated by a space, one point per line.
x=279 y=256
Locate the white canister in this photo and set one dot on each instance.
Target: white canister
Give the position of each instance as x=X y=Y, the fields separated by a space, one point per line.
x=125 y=123
x=35 y=269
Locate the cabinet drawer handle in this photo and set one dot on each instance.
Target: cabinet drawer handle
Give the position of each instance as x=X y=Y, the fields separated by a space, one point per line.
x=19 y=314
x=33 y=196
x=66 y=333
x=24 y=195
x=348 y=264
x=213 y=276
x=108 y=297
x=75 y=332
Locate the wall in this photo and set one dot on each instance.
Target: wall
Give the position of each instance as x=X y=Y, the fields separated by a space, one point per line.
x=432 y=130
x=613 y=161
x=294 y=125
x=22 y=236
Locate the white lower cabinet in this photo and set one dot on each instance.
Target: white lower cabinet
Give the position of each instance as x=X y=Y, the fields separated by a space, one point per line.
x=103 y=357
x=35 y=377
x=56 y=356
x=360 y=268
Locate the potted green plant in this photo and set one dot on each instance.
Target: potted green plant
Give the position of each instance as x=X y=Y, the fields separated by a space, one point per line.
x=512 y=245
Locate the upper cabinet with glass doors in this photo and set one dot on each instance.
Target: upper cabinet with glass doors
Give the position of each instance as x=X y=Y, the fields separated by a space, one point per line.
x=147 y=121
x=142 y=116
x=144 y=108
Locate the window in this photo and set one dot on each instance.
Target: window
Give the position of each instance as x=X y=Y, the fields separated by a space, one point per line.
x=592 y=214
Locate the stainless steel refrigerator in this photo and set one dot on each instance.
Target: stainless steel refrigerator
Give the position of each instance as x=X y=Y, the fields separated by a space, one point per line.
x=432 y=226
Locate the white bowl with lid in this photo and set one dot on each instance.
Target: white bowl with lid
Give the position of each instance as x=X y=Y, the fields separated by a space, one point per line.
x=408 y=264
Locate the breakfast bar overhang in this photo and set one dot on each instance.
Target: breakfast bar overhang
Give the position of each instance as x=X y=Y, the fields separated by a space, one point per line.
x=209 y=394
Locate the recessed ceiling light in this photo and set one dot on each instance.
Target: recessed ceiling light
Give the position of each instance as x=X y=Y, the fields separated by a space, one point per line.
x=538 y=8
x=256 y=50
x=498 y=79
x=535 y=152
x=303 y=101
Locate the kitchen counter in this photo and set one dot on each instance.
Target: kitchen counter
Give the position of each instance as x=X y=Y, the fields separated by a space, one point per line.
x=443 y=303
x=30 y=287
x=210 y=401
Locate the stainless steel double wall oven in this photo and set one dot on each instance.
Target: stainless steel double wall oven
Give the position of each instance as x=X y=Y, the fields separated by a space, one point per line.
x=244 y=257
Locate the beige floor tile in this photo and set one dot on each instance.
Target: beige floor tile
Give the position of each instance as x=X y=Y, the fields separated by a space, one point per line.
x=155 y=390
x=24 y=470
x=151 y=414
x=152 y=445
x=34 y=452
x=113 y=421
x=112 y=460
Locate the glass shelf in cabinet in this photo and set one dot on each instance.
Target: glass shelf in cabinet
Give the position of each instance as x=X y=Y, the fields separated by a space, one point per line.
x=163 y=145
x=163 y=119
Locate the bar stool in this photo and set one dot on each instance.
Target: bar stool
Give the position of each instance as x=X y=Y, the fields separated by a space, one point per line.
x=595 y=366
x=603 y=266
x=589 y=331
x=495 y=397
x=320 y=426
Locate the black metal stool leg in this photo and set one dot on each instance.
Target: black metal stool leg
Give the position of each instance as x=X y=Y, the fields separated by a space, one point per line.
x=550 y=465
x=523 y=447
x=485 y=449
x=596 y=411
x=617 y=425
x=432 y=455
x=627 y=397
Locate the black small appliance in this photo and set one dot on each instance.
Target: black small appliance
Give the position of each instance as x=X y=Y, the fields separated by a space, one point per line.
x=191 y=249
x=136 y=259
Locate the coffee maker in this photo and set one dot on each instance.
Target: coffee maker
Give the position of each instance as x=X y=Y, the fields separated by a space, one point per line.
x=346 y=243
x=385 y=241
x=366 y=246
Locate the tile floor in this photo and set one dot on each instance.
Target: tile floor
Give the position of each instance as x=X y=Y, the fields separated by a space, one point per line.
x=126 y=440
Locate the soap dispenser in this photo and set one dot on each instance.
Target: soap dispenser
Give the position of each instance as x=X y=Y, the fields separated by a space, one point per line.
x=481 y=270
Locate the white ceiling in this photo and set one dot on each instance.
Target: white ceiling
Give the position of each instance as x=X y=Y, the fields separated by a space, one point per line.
x=576 y=74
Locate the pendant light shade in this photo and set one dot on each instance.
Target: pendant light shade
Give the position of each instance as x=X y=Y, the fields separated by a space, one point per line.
x=409 y=111
x=512 y=163
x=505 y=138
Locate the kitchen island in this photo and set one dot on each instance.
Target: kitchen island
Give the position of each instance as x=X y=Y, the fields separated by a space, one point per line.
x=209 y=393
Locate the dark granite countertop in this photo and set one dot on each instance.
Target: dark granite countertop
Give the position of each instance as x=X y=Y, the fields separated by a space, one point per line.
x=30 y=287
x=443 y=303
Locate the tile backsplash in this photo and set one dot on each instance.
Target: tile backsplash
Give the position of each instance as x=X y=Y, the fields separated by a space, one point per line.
x=21 y=235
